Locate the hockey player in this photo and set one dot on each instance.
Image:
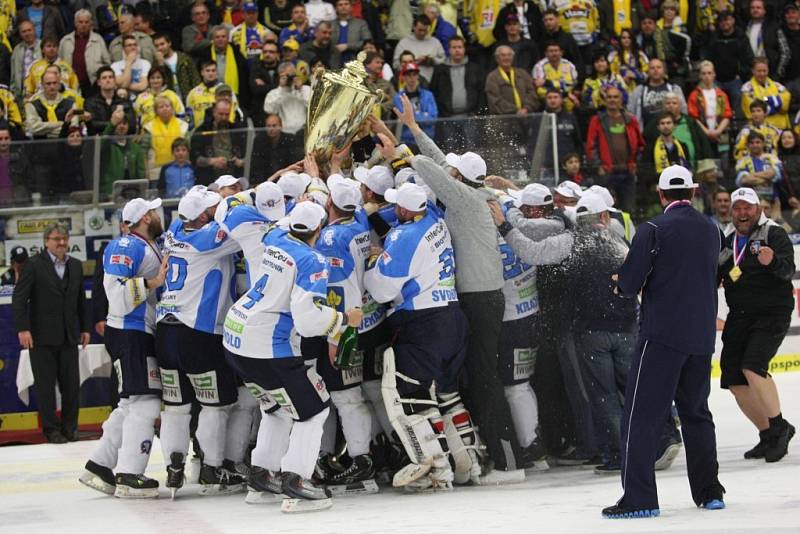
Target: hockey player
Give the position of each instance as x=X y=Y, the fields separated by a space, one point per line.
x=416 y=273
x=374 y=183
x=189 y=348
x=260 y=343
x=134 y=272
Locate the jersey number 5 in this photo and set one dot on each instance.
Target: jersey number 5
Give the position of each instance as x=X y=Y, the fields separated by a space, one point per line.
x=256 y=292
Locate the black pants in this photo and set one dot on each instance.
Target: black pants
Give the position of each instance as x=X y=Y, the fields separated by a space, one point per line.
x=53 y=365
x=659 y=374
x=555 y=415
x=485 y=396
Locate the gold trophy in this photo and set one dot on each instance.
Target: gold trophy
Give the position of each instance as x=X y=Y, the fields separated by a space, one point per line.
x=340 y=104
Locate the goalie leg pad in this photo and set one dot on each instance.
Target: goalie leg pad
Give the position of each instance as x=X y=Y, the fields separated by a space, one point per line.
x=462 y=438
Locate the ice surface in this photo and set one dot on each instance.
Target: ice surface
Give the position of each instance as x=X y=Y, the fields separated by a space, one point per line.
x=40 y=493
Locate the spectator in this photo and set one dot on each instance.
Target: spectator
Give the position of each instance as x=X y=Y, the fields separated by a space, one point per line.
x=527 y=14
x=572 y=168
x=231 y=13
x=144 y=105
x=686 y=130
x=300 y=30
x=666 y=150
x=680 y=42
x=143 y=22
x=349 y=33
x=202 y=96
x=73 y=164
x=440 y=28
x=218 y=145
x=290 y=52
x=553 y=33
x=509 y=90
x=758 y=123
x=730 y=51
x=767 y=39
x=106 y=99
x=289 y=100
x=774 y=94
x=789 y=155
x=601 y=77
x=278 y=15
x=457 y=83
x=273 y=150
x=14 y=168
x=722 y=210
x=655 y=42
x=526 y=53
x=177 y=177
x=195 y=38
x=231 y=66
x=709 y=106
x=791 y=31
x=321 y=47
x=182 y=70
x=19 y=256
x=9 y=112
x=122 y=157
x=51 y=319
x=107 y=15
x=46 y=19
x=159 y=134
x=615 y=18
x=568 y=133
x=319 y=11
x=131 y=72
x=405 y=59
x=554 y=72
x=84 y=50
x=706 y=175
x=373 y=64
x=126 y=27
x=423 y=101
x=628 y=61
x=581 y=19
x=250 y=35
x=428 y=51
x=263 y=78
x=25 y=54
x=388 y=73
x=613 y=143
x=49 y=57
x=647 y=100
x=758 y=169
x=483 y=17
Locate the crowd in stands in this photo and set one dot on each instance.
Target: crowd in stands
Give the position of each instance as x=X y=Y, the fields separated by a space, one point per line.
x=635 y=86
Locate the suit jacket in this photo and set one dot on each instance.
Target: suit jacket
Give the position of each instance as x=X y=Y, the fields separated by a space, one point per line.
x=442 y=88
x=357 y=33
x=53 y=309
x=52 y=21
x=500 y=95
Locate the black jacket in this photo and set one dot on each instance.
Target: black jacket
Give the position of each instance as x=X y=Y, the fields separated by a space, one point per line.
x=269 y=75
x=761 y=289
x=532 y=13
x=793 y=39
x=731 y=55
x=53 y=309
x=99 y=298
x=568 y=46
x=266 y=159
x=202 y=145
x=101 y=113
x=442 y=88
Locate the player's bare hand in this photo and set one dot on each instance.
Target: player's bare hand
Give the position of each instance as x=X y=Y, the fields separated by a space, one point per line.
x=354 y=317
x=386 y=147
x=765 y=255
x=161 y=277
x=407 y=115
x=498 y=182
x=497 y=212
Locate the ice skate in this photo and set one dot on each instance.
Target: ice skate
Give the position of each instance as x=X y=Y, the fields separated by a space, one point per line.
x=264 y=487
x=668 y=455
x=326 y=468
x=131 y=486
x=99 y=478
x=303 y=495
x=534 y=457
x=220 y=481
x=175 y=473
x=359 y=478
x=438 y=479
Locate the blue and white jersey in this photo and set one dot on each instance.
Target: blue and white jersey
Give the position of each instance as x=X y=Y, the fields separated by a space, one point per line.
x=345 y=244
x=200 y=286
x=128 y=262
x=416 y=270
x=387 y=214
x=287 y=301
x=247 y=226
x=519 y=288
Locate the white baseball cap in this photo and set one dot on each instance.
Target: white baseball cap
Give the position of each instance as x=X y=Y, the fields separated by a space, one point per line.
x=409 y=196
x=469 y=164
x=590 y=204
x=377 y=179
x=196 y=201
x=743 y=193
x=344 y=196
x=569 y=189
x=294 y=184
x=676 y=177
x=532 y=195
x=306 y=217
x=227 y=180
x=135 y=209
x=406 y=174
x=269 y=201
x=605 y=194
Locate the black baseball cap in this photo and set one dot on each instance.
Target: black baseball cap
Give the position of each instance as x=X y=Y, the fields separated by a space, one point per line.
x=19 y=254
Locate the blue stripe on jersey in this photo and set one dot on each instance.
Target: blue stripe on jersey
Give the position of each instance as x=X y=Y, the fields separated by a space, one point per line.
x=207 y=310
x=387 y=214
x=281 y=334
x=409 y=291
x=209 y=237
x=243 y=214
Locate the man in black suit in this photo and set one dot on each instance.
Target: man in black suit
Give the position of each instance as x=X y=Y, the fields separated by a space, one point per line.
x=50 y=315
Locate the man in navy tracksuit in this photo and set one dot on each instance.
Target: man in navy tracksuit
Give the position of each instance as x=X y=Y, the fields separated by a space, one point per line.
x=673 y=261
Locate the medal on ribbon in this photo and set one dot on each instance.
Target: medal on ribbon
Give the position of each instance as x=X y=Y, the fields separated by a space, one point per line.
x=736 y=272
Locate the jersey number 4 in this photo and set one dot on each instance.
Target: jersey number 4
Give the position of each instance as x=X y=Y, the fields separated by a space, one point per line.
x=256 y=292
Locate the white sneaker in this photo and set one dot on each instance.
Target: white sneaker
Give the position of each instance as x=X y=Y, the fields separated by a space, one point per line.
x=496 y=477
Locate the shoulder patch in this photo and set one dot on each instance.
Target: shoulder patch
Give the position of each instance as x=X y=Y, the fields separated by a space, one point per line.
x=121 y=259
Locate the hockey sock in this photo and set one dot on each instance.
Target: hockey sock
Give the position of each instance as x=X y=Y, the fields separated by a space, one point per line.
x=137 y=434
x=273 y=440
x=304 y=441
x=174 y=434
x=372 y=392
x=211 y=429
x=107 y=448
x=240 y=419
x=524 y=411
x=356 y=420
x=328 y=444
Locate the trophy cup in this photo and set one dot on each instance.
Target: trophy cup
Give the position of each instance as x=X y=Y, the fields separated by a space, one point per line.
x=340 y=104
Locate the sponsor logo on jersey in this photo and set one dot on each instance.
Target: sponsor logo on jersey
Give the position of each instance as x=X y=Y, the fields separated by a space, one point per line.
x=233 y=326
x=336 y=262
x=221 y=235
x=386 y=257
x=316 y=277
x=121 y=259
x=327 y=237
